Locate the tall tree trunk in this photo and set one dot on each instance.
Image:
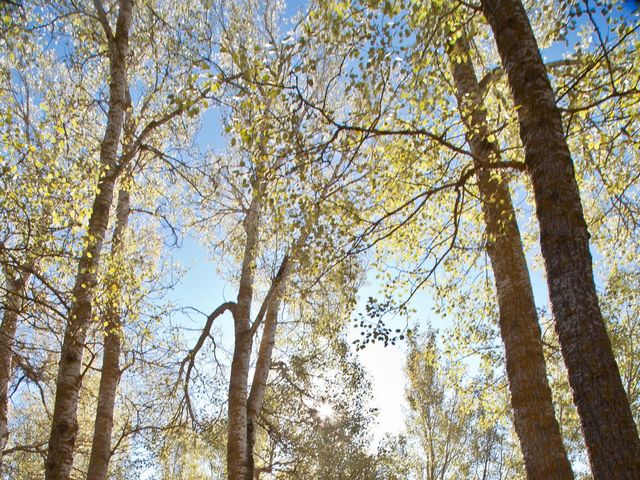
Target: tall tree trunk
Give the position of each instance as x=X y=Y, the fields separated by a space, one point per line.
x=110 y=374
x=263 y=363
x=244 y=406
x=15 y=290
x=243 y=409
x=540 y=439
x=64 y=426
x=237 y=461
x=610 y=432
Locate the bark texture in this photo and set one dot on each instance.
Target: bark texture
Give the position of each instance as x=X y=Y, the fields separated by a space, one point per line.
x=610 y=432
x=237 y=462
x=534 y=418
x=110 y=374
x=15 y=290
x=64 y=426
x=245 y=405
x=263 y=363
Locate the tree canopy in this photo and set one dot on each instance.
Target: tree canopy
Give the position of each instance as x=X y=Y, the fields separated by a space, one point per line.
x=455 y=181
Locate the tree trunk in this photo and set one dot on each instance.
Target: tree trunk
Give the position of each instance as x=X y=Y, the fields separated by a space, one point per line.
x=15 y=290
x=263 y=363
x=237 y=461
x=110 y=374
x=64 y=426
x=538 y=431
x=244 y=407
x=610 y=432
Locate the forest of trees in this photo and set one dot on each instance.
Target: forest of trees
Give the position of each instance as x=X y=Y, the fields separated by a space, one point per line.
x=481 y=154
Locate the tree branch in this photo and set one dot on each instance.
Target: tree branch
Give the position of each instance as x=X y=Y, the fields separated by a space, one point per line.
x=104 y=21
x=191 y=356
x=275 y=284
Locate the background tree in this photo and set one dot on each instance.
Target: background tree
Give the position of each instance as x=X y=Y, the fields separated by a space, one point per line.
x=451 y=419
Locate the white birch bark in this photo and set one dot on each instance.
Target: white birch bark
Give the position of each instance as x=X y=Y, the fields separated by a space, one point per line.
x=64 y=426
x=110 y=373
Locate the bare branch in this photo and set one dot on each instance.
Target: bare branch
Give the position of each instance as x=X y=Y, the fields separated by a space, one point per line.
x=189 y=360
x=275 y=284
x=104 y=21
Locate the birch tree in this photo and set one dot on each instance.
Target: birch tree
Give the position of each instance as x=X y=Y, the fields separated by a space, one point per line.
x=64 y=423
x=42 y=195
x=115 y=26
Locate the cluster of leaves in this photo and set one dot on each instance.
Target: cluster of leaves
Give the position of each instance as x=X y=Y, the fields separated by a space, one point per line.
x=379 y=331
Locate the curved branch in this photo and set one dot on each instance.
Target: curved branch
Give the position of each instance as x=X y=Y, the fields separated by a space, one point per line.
x=275 y=285
x=189 y=360
x=191 y=356
x=104 y=21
